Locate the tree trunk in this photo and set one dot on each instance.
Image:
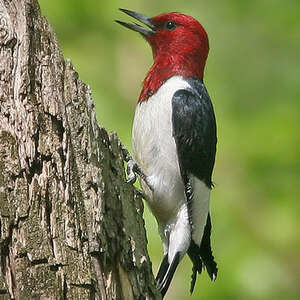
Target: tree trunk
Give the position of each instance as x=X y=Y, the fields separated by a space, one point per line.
x=70 y=226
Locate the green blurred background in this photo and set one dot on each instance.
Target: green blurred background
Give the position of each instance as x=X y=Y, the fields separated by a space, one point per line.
x=253 y=77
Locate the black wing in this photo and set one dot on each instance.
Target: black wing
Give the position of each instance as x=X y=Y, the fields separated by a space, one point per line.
x=194 y=131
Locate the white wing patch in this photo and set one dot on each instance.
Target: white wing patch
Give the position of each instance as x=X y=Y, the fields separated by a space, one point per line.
x=200 y=208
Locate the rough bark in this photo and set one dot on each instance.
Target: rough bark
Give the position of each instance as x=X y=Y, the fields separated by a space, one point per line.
x=70 y=226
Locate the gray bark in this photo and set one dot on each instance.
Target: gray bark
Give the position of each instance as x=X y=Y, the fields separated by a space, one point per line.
x=70 y=226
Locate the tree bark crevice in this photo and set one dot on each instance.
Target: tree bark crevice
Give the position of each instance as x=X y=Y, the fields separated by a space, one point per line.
x=70 y=226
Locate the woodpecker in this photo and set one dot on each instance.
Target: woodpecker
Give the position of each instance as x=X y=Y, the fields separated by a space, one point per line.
x=174 y=141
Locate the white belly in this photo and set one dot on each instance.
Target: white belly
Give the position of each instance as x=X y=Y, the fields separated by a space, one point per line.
x=155 y=152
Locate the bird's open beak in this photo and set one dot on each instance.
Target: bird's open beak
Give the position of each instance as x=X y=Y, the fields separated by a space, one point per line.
x=136 y=27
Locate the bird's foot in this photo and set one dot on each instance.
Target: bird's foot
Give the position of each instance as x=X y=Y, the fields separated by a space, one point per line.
x=133 y=168
x=131 y=171
x=141 y=193
x=131 y=165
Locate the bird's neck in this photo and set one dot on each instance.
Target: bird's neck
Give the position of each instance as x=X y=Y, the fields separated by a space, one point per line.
x=166 y=66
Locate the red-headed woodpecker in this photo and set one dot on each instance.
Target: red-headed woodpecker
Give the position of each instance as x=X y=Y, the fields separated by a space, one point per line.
x=174 y=141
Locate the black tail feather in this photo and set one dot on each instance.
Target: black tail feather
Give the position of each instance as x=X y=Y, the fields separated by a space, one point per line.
x=162 y=269
x=194 y=278
x=206 y=252
x=165 y=275
x=194 y=254
x=203 y=256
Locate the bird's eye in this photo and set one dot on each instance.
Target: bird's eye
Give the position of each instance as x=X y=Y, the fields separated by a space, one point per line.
x=171 y=25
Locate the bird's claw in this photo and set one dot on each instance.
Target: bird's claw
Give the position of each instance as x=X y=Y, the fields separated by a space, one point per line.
x=131 y=167
x=132 y=170
x=141 y=194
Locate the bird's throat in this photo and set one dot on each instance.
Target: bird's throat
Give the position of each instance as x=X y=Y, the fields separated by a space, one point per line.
x=165 y=67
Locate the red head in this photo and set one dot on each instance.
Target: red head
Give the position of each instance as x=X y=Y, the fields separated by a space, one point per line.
x=179 y=45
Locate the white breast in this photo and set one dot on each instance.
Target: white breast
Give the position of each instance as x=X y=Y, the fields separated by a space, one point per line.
x=155 y=152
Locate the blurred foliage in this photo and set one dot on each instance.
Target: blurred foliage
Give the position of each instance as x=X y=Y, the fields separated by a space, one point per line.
x=253 y=77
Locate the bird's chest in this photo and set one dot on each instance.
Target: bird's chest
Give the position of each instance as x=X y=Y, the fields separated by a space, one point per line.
x=155 y=151
x=153 y=144
x=152 y=132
